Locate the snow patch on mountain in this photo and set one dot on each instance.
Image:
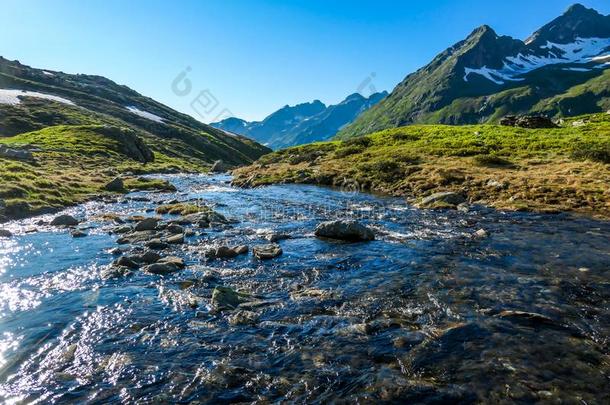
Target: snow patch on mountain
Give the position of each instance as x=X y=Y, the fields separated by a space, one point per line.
x=145 y=114
x=581 y=51
x=11 y=97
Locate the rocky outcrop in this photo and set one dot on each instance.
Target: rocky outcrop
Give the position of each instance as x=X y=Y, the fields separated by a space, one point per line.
x=12 y=153
x=527 y=121
x=350 y=231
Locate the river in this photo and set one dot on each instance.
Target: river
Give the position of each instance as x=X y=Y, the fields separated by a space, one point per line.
x=426 y=313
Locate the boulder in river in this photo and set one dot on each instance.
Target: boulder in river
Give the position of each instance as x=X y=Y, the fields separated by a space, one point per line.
x=276 y=236
x=447 y=199
x=64 y=220
x=225 y=298
x=77 y=233
x=172 y=260
x=156 y=244
x=127 y=261
x=148 y=224
x=266 y=252
x=176 y=239
x=160 y=268
x=351 y=231
x=174 y=229
x=116 y=185
x=4 y=233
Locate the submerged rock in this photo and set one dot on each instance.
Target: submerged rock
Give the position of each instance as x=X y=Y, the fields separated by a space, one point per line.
x=266 y=252
x=64 y=220
x=350 y=231
x=78 y=234
x=225 y=298
x=276 y=236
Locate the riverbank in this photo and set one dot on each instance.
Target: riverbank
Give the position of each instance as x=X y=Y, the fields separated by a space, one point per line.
x=544 y=170
x=63 y=166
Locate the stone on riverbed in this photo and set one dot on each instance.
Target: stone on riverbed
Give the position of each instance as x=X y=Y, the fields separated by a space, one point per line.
x=174 y=229
x=172 y=260
x=350 y=231
x=131 y=262
x=137 y=237
x=266 y=252
x=156 y=244
x=161 y=268
x=5 y=233
x=176 y=239
x=77 y=233
x=64 y=220
x=225 y=298
x=148 y=224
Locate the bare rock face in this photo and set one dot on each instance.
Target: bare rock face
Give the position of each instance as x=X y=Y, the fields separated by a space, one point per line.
x=532 y=122
x=350 y=231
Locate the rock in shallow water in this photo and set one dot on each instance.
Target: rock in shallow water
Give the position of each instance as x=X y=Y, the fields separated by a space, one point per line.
x=350 y=231
x=64 y=220
x=225 y=298
x=148 y=224
x=446 y=199
x=266 y=252
x=5 y=233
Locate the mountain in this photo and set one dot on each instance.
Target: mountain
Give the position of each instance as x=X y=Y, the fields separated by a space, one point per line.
x=558 y=71
x=32 y=99
x=64 y=138
x=303 y=123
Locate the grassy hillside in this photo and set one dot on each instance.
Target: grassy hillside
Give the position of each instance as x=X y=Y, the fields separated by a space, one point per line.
x=89 y=136
x=511 y=168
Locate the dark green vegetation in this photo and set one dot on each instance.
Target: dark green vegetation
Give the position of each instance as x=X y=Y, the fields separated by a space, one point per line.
x=444 y=92
x=76 y=149
x=303 y=123
x=563 y=169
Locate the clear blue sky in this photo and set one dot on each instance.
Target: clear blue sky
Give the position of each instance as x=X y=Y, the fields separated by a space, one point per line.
x=255 y=56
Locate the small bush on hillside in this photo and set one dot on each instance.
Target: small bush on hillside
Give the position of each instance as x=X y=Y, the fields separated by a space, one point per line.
x=594 y=152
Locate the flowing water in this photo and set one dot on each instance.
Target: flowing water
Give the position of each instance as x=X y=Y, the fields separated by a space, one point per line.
x=422 y=314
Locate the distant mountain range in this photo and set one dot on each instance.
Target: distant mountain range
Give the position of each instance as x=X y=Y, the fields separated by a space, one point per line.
x=561 y=70
x=302 y=123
